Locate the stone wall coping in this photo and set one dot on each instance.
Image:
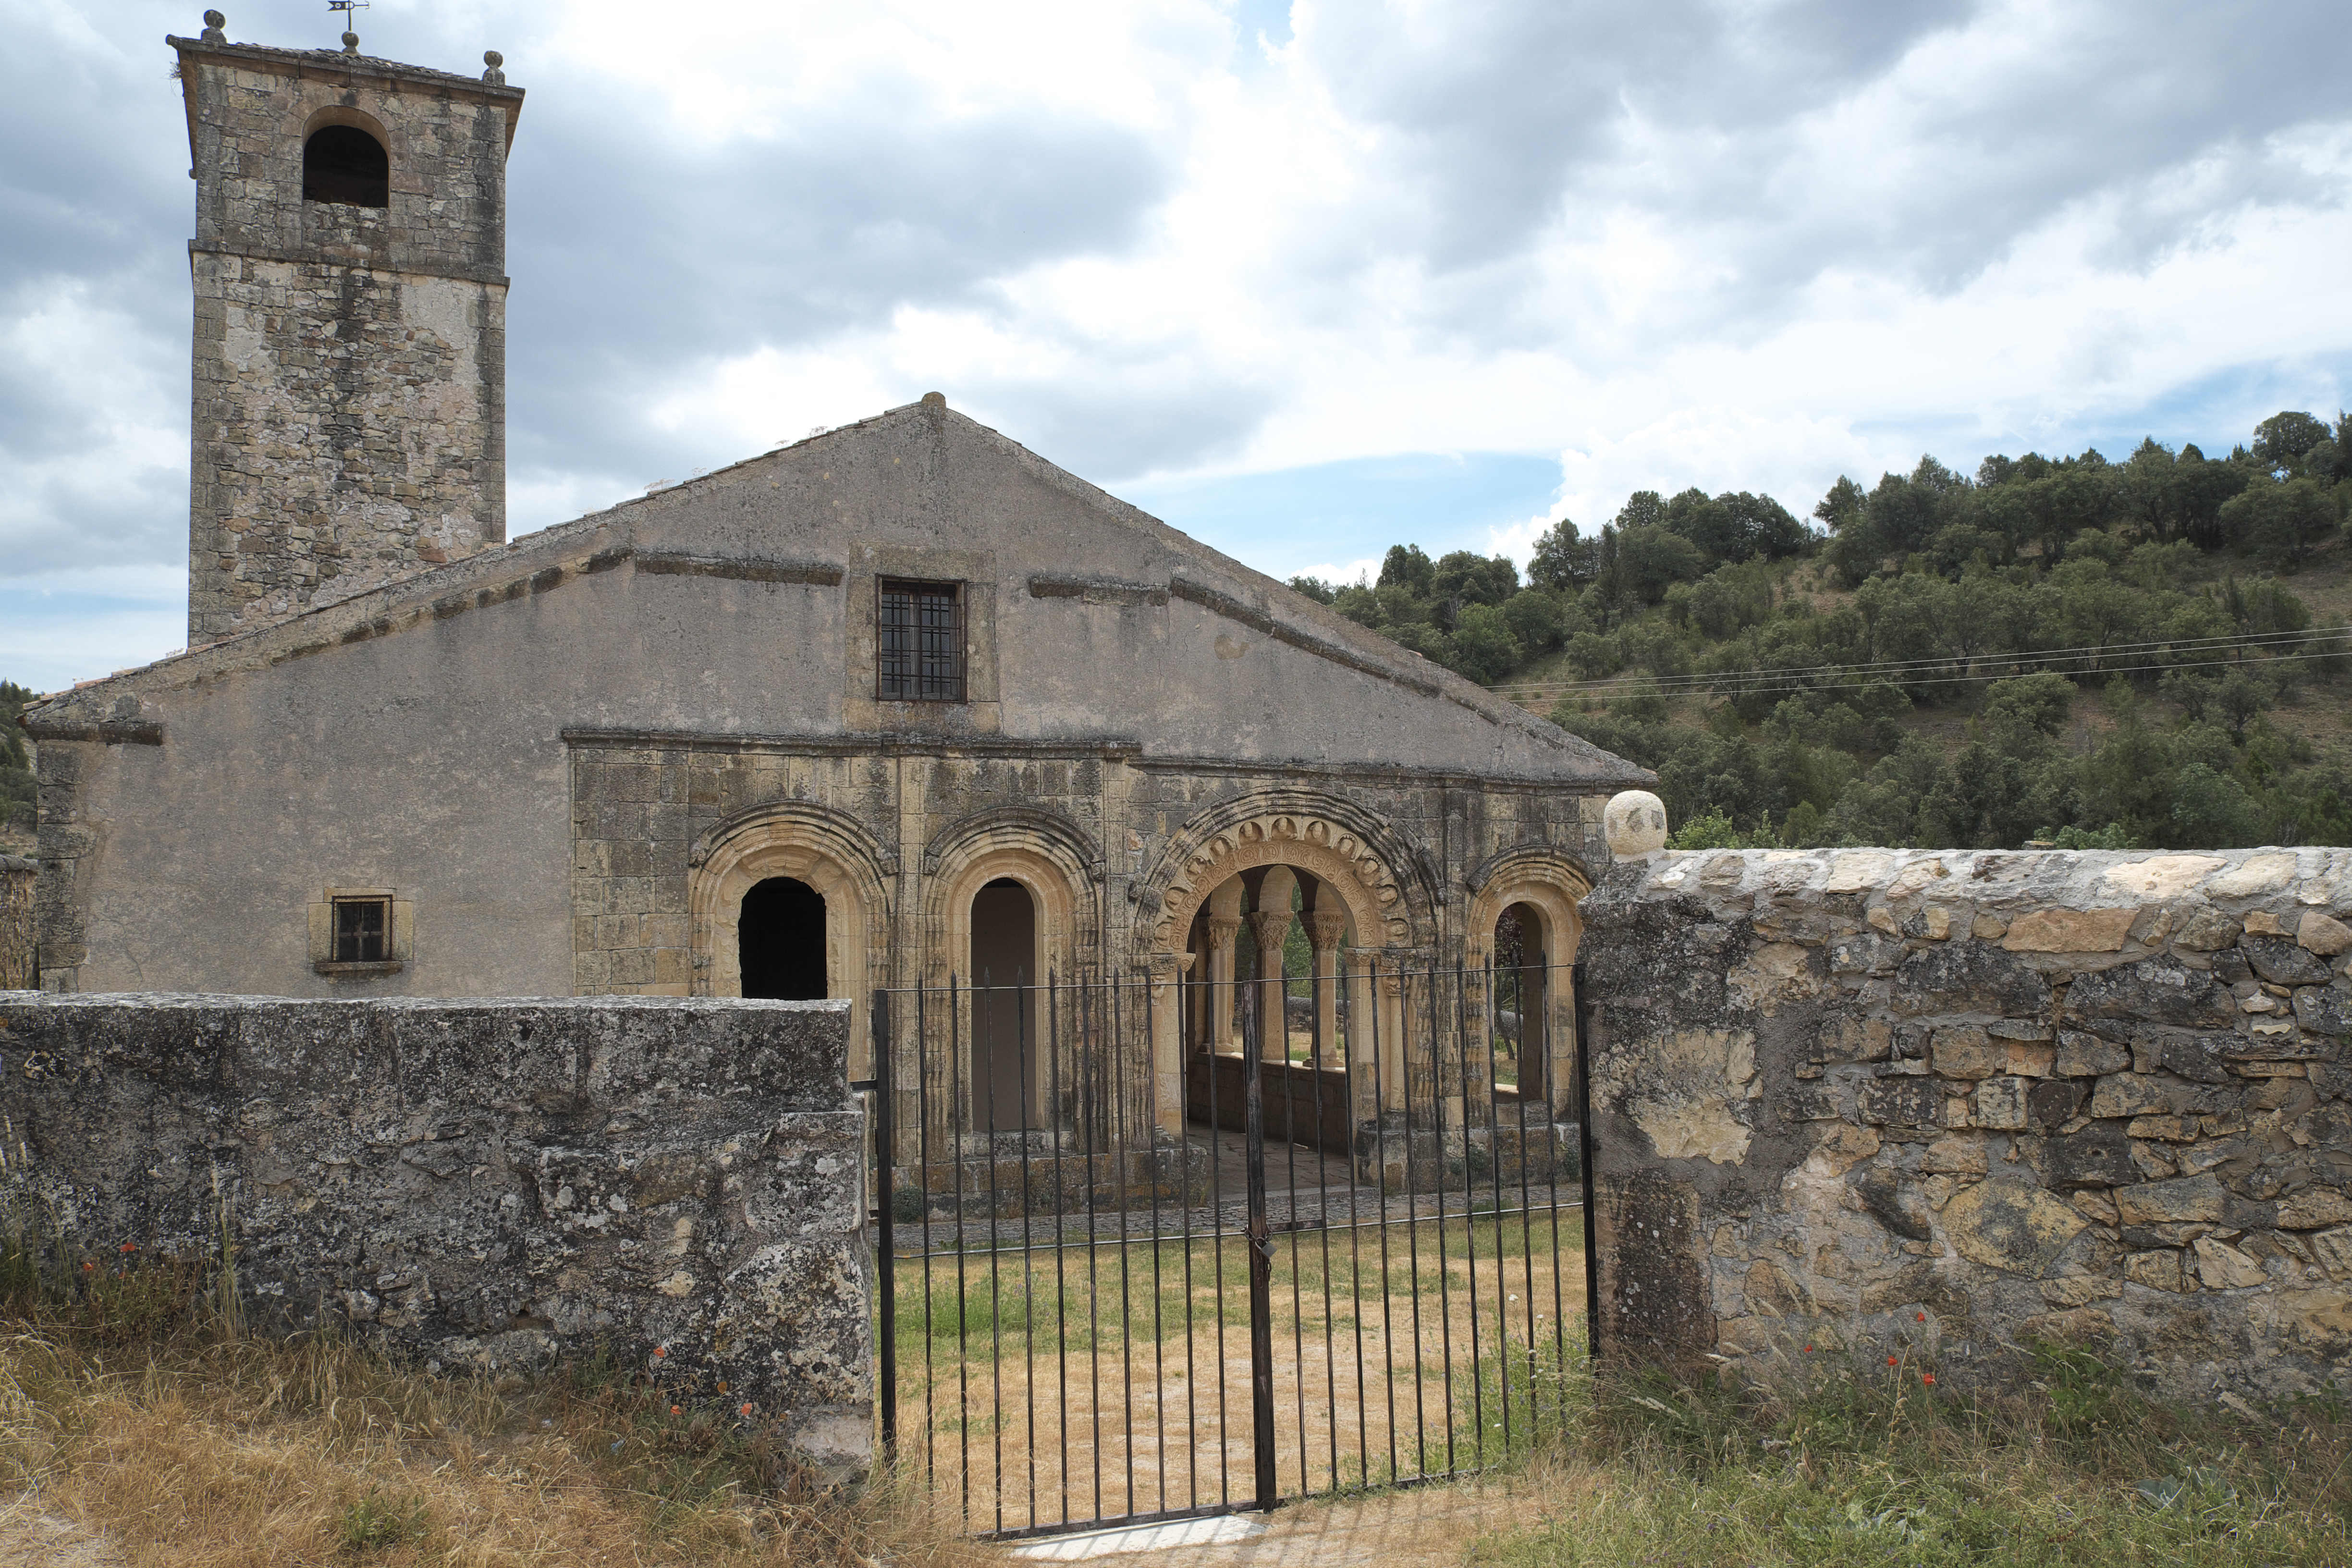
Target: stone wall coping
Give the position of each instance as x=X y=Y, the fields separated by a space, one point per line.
x=2235 y=882
x=194 y=1001
x=334 y=62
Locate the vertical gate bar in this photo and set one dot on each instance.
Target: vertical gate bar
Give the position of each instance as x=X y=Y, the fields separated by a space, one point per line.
x=1494 y=1153
x=884 y=1262
x=1315 y=1044
x=1261 y=1251
x=1582 y=1014
x=1355 y=1251
x=1053 y=1043
x=1121 y=1132
x=958 y=1114
x=923 y=1186
x=1217 y=1263
x=1380 y=1168
x=1469 y=1209
x=1022 y=1038
x=1149 y=1035
x=1290 y=1126
x=1558 y=1292
x=1526 y=1193
x=1412 y=1221
x=1184 y=1201
x=1437 y=1144
x=986 y=1031
x=1096 y=1143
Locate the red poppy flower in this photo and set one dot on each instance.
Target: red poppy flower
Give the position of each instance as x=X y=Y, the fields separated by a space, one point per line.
x=747 y=1410
x=1927 y=1377
x=673 y=1410
x=130 y=1246
x=1809 y=1350
x=1890 y=1360
x=658 y=1351
x=1922 y=1317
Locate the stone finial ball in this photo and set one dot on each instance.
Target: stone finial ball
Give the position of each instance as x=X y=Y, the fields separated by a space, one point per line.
x=215 y=19
x=1635 y=822
x=492 y=58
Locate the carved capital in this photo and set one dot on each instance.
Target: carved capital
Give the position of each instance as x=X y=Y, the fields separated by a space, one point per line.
x=1223 y=928
x=1271 y=929
x=1324 y=928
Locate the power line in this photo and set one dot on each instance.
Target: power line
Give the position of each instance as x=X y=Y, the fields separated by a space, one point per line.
x=1943 y=670
x=1794 y=688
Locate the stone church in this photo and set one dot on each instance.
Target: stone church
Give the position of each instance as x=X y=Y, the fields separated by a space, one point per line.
x=898 y=703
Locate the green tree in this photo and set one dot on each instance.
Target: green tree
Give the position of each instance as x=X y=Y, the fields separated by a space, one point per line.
x=1652 y=558
x=2286 y=436
x=1483 y=647
x=1406 y=567
x=1562 y=561
x=1465 y=577
x=2283 y=518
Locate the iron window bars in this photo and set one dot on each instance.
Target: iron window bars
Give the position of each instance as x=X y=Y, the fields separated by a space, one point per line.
x=918 y=641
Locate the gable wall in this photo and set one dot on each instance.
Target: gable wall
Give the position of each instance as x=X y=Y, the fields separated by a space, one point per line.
x=525 y=745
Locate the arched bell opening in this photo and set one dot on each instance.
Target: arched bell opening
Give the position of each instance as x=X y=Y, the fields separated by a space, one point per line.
x=344 y=165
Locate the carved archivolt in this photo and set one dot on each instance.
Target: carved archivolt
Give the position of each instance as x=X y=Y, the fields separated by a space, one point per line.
x=813 y=844
x=1551 y=880
x=1366 y=880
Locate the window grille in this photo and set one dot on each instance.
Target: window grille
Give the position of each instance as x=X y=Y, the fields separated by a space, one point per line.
x=362 y=930
x=920 y=642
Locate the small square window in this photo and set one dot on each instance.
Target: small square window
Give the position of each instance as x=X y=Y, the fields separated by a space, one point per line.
x=362 y=930
x=918 y=641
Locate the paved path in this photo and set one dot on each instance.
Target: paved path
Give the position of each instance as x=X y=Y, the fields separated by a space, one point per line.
x=1420 y=1527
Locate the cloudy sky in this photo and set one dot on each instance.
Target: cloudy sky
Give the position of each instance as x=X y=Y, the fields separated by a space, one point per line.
x=1303 y=279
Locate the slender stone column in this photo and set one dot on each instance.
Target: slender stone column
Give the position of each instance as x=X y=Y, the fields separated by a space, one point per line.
x=1168 y=971
x=1223 y=929
x=1271 y=929
x=1324 y=929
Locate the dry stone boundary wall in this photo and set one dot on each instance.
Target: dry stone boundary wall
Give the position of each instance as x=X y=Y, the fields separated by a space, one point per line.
x=1947 y=1104
x=485 y=1186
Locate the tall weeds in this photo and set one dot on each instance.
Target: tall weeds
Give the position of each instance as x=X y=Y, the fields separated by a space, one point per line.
x=1858 y=1462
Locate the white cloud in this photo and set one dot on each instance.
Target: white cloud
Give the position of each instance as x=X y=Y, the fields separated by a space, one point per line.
x=1697 y=242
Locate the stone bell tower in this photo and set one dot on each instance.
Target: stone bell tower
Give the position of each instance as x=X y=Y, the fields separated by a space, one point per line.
x=350 y=272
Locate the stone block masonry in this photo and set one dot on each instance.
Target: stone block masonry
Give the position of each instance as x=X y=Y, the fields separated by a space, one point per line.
x=1947 y=1104
x=348 y=390
x=483 y=1185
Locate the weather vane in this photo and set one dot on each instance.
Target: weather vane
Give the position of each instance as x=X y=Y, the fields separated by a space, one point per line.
x=350 y=10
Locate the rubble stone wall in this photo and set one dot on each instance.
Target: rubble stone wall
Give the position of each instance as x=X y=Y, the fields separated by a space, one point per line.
x=484 y=1185
x=1947 y=1104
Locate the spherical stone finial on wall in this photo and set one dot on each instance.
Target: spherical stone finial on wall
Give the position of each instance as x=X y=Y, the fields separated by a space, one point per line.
x=494 y=76
x=1634 y=823
x=214 y=23
x=351 y=43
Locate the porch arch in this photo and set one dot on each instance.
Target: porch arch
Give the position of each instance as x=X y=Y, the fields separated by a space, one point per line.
x=1548 y=883
x=831 y=854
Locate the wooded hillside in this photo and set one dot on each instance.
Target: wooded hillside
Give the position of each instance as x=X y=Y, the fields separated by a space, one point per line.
x=2148 y=653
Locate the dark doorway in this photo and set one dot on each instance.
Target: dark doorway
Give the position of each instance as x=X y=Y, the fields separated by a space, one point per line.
x=1004 y=1012
x=1521 y=1002
x=780 y=940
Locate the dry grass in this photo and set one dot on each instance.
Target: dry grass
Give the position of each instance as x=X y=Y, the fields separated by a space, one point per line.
x=184 y=1450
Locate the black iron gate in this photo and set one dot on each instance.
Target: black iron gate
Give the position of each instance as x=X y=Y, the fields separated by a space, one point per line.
x=1128 y=1276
